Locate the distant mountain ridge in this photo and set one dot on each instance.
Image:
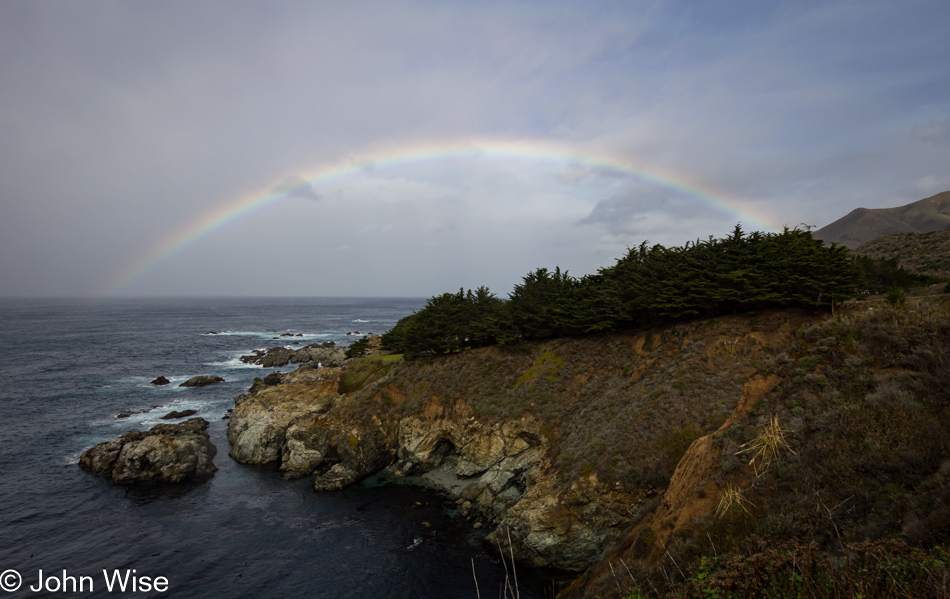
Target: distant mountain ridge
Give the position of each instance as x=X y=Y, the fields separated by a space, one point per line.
x=864 y=224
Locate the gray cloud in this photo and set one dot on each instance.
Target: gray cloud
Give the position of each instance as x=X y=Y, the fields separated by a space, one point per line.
x=619 y=213
x=296 y=186
x=934 y=133
x=123 y=122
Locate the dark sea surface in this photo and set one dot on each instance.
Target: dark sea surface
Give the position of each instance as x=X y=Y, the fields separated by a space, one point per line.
x=69 y=367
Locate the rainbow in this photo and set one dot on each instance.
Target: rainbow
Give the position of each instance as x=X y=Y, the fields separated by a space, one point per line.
x=385 y=158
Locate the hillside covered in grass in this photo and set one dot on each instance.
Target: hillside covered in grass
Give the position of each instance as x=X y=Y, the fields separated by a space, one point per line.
x=781 y=453
x=835 y=484
x=925 y=254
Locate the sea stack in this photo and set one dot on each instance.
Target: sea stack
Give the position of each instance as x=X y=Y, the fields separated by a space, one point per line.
x=168 y=453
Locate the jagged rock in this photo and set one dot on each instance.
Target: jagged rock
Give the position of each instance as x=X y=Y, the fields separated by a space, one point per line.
x=480 y=454
x=160 y=381
x=202 y=381
x=174 y=415
x=276 y=356
x=253 y=356
x=131 y=412
x=336 y=478
x=169 y=453
x=360 y=455
x=331 y=356
x=270 y=380
x=569 y=531
x=326 y=353
x=284 y=423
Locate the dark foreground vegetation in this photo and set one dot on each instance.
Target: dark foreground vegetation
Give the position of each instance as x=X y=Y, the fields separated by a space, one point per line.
x=650 y=286
x=857 y=500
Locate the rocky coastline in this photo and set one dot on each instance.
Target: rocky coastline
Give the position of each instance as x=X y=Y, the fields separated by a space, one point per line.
x=341 y=420
x=498 y=472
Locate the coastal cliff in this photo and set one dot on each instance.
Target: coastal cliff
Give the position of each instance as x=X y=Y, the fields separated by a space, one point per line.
x=558 y=445
x=585 y=453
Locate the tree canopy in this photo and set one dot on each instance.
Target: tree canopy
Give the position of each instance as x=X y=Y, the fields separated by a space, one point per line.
x=649 y=286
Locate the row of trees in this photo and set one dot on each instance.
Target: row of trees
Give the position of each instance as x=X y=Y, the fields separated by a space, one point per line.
x=882 y=275
x=649 y=286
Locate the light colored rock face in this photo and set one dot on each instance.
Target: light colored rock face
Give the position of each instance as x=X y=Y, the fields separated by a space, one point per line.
x=291 y=423
x=261 y=424
x=170 y=453
x=567 y=531
x=500 y=472
x=488 y=466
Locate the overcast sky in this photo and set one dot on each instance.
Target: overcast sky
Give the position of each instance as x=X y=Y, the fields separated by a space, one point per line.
x=124 y=123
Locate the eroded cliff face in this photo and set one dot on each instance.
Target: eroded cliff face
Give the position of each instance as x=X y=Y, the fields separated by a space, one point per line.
x=501 y=473
x=530 y=443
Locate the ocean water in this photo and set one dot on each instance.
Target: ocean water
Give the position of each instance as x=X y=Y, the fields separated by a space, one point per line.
x=69 y=367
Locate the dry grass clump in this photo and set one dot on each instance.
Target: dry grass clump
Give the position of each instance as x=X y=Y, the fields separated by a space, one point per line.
x=767 y=446
x=732 y=498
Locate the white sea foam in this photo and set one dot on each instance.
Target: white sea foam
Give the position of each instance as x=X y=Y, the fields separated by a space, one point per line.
x=73 y=458
x=233 y=363
x=273 y=334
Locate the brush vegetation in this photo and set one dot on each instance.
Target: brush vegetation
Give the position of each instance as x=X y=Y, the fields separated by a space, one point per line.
x=922 y=254
x=856 y=499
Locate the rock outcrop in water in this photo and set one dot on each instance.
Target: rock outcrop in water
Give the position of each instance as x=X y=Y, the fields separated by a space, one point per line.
x=175 y=414
x=202 y=381
x=170 y=453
